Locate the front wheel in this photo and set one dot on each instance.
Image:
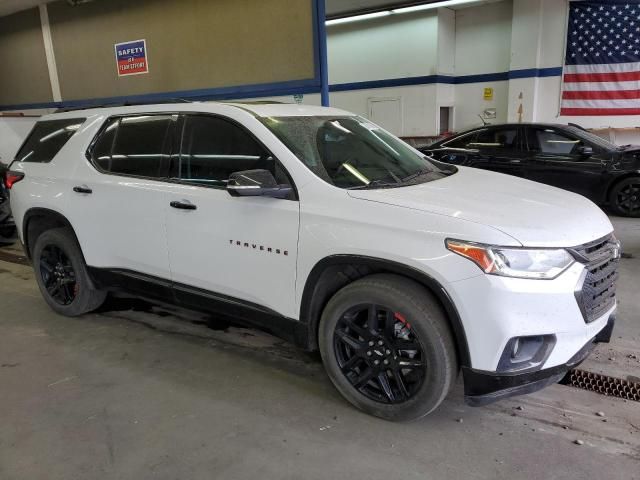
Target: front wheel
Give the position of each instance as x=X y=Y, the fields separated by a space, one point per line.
x=625 y=197
x=387 y=347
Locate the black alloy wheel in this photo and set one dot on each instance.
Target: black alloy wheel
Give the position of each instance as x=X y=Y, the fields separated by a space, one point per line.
x=58 y=275
x=627 y=198
x=379 y=353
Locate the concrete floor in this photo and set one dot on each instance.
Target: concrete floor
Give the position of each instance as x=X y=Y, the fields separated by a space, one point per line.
x=152 y=393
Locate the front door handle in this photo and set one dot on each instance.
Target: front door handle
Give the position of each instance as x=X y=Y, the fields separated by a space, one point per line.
x=82 y=189
x=184 y=205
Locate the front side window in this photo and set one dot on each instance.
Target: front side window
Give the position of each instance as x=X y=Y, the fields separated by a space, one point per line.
x=553 y=142
x=351 y=152
x=47 y=138
x=213 y=148
x=136 y=146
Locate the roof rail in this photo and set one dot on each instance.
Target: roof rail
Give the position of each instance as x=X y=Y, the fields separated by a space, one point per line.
x=122 y=104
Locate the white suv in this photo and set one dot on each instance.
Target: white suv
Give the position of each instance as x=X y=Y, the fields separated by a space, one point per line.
x=321 y=227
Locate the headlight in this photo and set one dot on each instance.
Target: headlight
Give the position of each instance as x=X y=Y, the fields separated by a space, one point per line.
x=514 y=262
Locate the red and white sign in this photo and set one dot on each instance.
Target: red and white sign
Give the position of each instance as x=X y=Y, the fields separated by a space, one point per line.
x=131 y=58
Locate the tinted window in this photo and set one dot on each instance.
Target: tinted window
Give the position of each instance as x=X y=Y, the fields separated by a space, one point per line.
x=554 y=142
x=461 y=142
x=47 y=138
x=137 y=146
x=496 y=139
x=214 y=148
x=104 y=144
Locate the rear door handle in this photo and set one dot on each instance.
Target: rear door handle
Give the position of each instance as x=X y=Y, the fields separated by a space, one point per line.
x=183 y=205
x=82 y=189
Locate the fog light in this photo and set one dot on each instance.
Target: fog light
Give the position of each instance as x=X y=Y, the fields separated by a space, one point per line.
x=526 y=353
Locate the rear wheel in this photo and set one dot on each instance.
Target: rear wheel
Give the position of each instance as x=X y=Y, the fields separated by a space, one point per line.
x=625 y=197
x=387 y=347
x=62 y=274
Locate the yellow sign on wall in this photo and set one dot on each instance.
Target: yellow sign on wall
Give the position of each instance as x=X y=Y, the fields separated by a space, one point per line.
x=488 y=93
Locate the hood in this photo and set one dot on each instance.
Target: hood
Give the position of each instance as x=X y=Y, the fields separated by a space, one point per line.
x=630 y=148
x=532 y=213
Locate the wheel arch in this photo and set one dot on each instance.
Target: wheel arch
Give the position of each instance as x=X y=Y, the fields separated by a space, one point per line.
x=334 y=272
x=37 y=221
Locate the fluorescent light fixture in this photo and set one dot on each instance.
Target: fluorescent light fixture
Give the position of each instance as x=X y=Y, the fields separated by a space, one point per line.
x=357 y=18
x=429 y=6
x=414 y=8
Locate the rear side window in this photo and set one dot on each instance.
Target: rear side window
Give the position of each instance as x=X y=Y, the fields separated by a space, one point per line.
x=47 y=138
x=461 y=142
x=496 y=139
x=137 y=146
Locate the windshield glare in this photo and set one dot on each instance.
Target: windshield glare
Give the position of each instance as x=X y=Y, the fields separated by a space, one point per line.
x=351 y=152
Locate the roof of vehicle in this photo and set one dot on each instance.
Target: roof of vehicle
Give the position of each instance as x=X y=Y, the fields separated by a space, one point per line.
x=259 y=109
x=530 y=124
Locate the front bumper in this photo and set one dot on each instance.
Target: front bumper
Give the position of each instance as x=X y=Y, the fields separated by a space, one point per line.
x=482 y=387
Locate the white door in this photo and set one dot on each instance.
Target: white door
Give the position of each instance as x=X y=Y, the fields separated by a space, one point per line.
x=118 y=205
x=244 y=248
x=386 y=112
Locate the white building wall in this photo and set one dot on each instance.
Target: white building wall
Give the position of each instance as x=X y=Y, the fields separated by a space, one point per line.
x=387 y=47
x=483 y=38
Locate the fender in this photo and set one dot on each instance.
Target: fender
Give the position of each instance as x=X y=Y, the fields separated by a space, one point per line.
x=319 y=289
x=53 y=219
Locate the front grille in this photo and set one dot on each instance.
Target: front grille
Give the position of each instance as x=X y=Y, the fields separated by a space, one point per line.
x=597 y=291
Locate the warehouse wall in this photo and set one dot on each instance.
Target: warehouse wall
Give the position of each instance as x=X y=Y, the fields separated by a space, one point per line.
x=538 y=42
x=383 y=48
x=423 y=60
x=24 y=75
x=192 y=44
x=195 y=48
x=482 y=46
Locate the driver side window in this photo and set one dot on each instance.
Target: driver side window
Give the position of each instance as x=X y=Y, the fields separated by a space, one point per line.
x=553 y=142
x=213 y=148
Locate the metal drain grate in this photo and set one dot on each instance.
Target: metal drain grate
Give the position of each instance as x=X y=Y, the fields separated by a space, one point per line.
x=611 y=386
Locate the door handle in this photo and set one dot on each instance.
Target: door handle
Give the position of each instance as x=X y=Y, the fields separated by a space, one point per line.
x=82 y=189
x=183 y=205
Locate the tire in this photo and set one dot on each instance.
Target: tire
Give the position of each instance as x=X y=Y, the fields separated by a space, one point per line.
x=58 y=262
x=624 y=198
x=416 y=320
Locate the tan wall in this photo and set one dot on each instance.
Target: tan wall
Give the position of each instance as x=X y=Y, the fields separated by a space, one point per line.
x=191 y=44
x=24 y=77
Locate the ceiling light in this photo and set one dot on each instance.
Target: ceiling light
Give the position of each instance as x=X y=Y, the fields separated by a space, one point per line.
x=414 y=8
x=357 y=18
x=429 y=6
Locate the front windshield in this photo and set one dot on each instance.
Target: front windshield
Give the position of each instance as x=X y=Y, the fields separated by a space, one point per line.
x=351 y=152
x=593 y=138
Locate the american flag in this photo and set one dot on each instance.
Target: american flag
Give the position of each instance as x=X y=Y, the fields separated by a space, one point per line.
x=602 y=64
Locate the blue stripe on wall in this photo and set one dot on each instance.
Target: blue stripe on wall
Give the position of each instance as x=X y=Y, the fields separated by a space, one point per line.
x=295 y=87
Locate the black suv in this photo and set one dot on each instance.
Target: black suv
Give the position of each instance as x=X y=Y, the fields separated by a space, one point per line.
x=564 y=156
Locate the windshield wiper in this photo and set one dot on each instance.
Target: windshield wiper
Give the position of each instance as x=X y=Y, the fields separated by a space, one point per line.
x=419 y=173
x=373 y=184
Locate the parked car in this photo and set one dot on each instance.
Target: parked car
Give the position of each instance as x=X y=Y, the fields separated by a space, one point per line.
x=564 y=156
x=7 y=227
x=319 y=226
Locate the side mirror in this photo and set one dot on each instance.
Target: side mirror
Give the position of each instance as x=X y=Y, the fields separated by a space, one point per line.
x=256 y=183
x=585 y=151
